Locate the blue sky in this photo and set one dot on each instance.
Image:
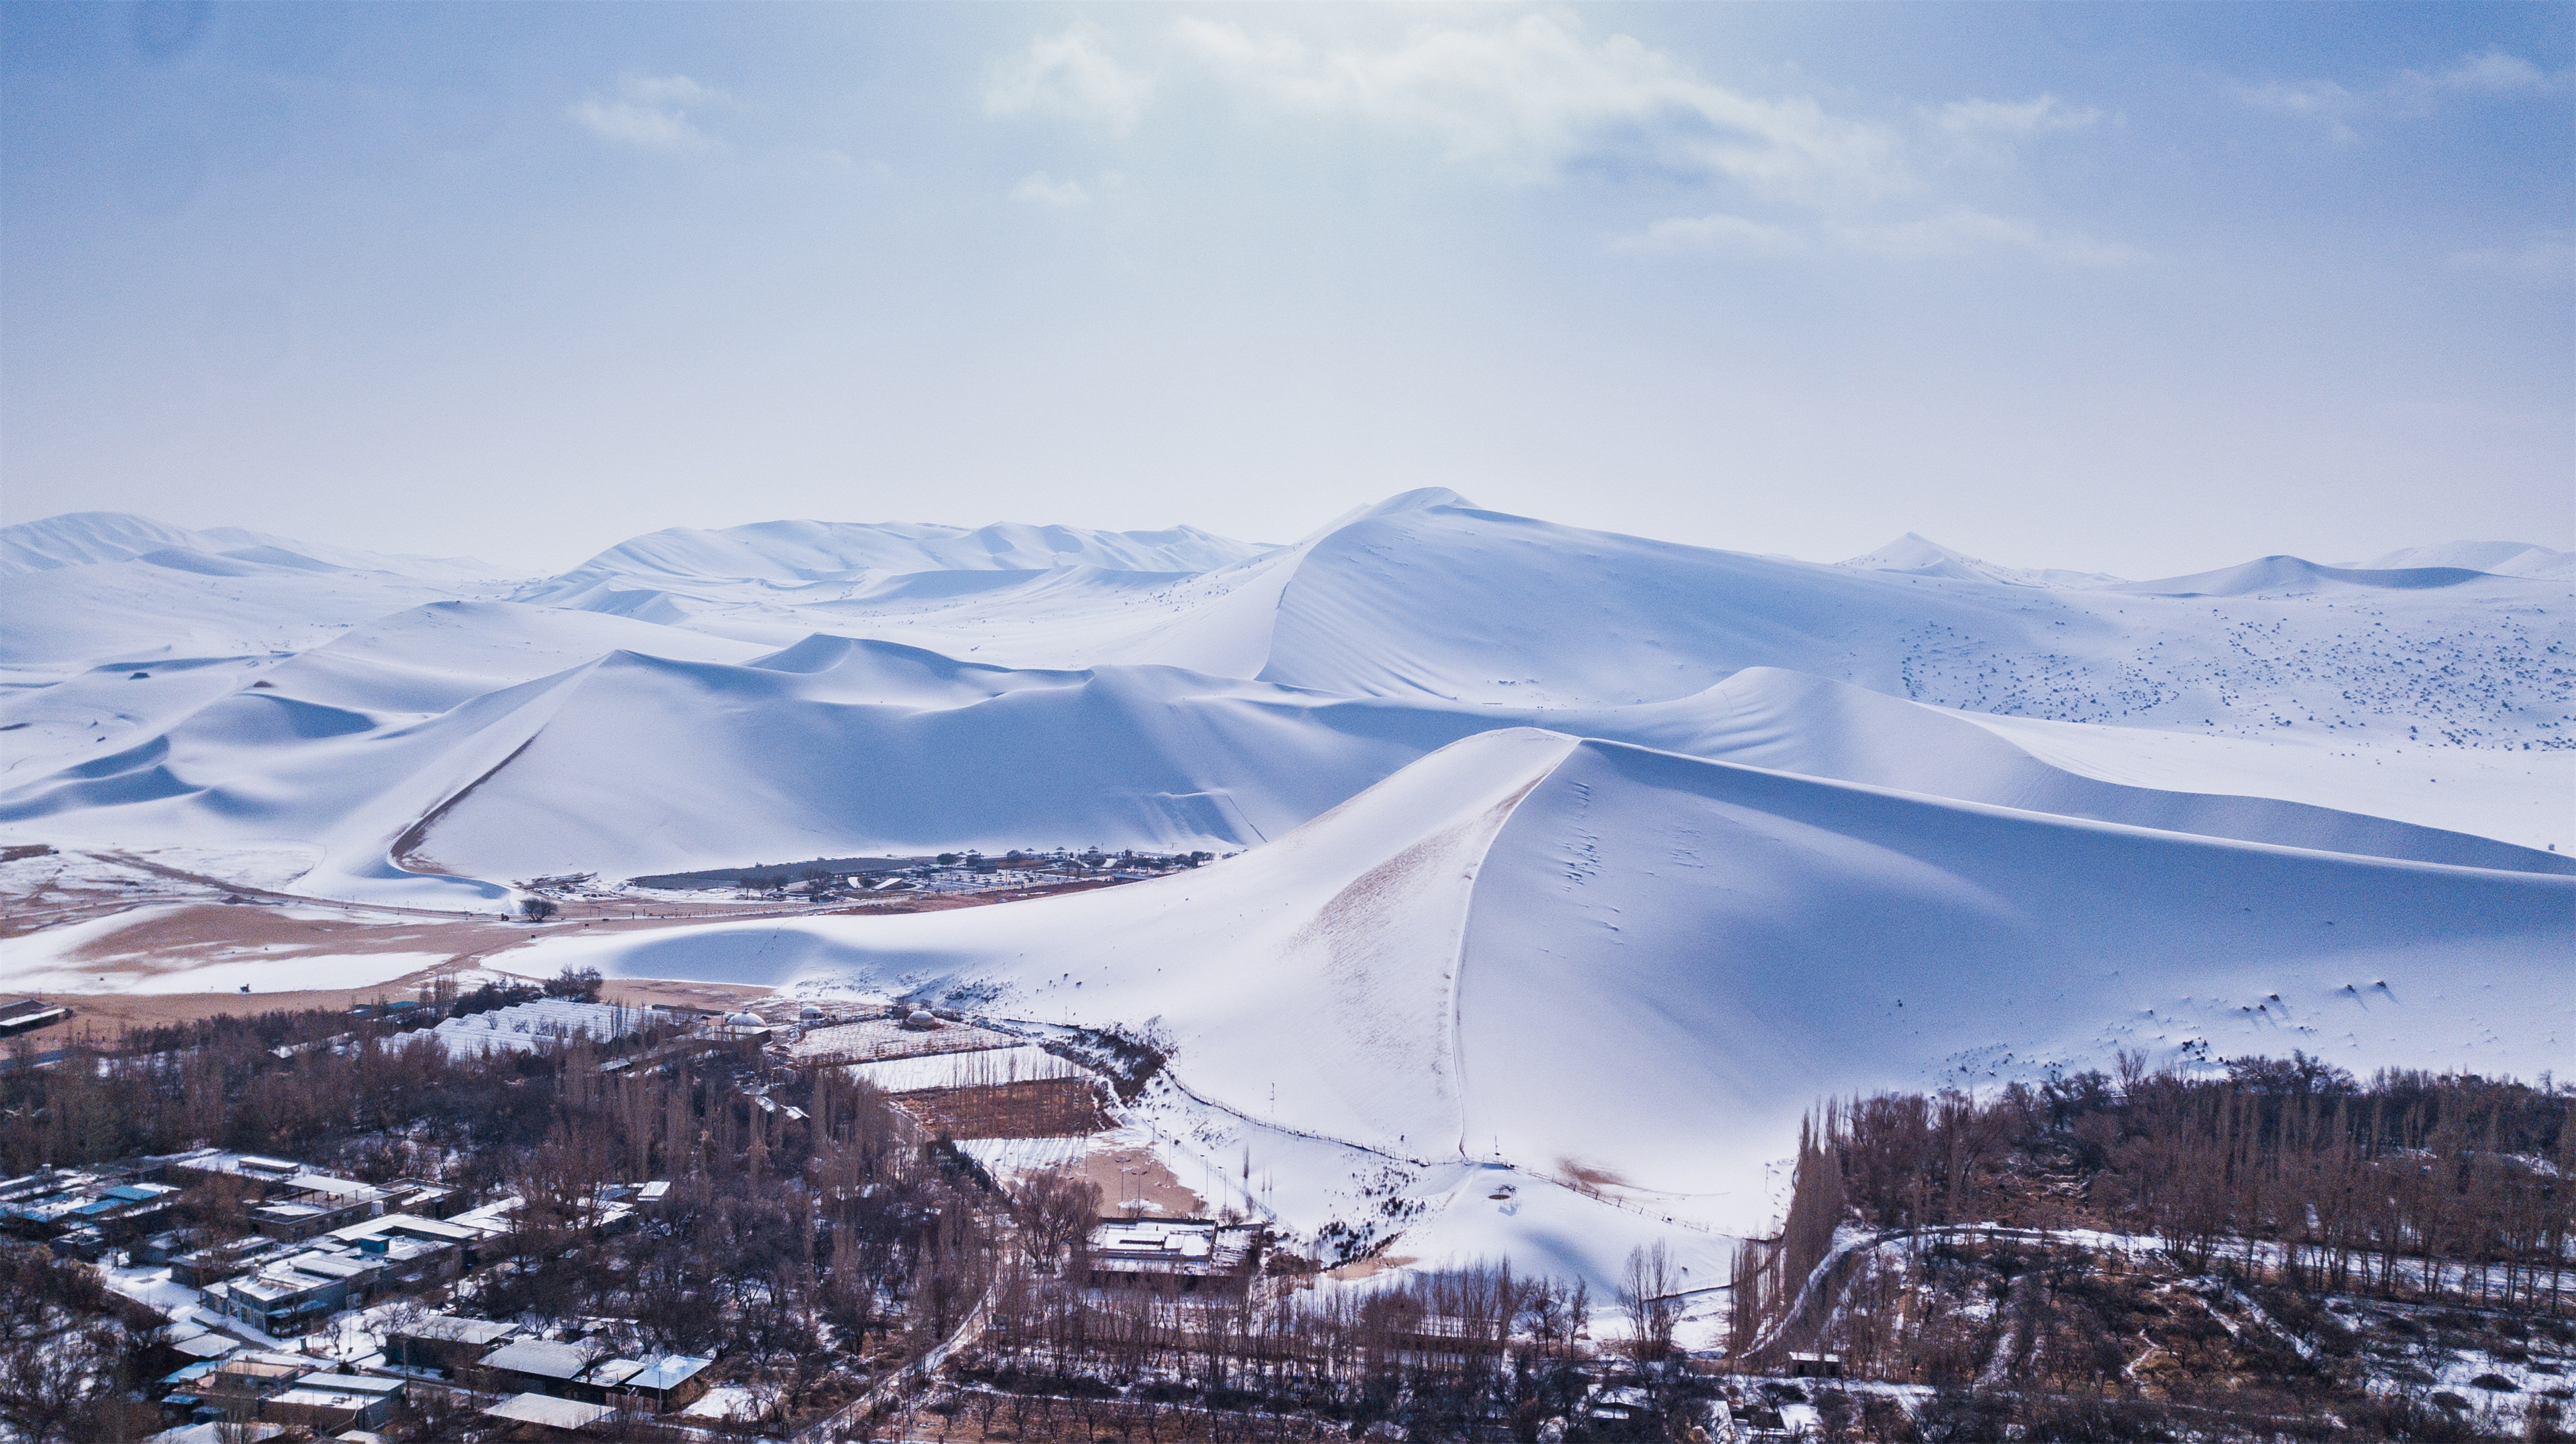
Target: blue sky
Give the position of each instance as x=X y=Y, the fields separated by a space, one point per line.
x=2139 y=289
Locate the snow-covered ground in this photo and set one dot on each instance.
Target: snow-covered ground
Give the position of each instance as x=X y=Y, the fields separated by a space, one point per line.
x=1582 y=860
x=981 y=1068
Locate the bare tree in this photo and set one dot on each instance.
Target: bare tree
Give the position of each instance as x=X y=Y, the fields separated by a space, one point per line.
x=572 y=982
x=1647 y=1296
x=1057 y=1207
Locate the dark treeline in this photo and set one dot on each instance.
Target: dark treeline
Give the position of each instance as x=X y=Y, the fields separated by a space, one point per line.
x=220 y=1082
x=2438 y=1185
x=2284 y=1236
x=1469 y=1353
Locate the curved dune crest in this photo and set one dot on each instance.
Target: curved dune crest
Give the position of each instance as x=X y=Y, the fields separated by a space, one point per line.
x=1597 y=956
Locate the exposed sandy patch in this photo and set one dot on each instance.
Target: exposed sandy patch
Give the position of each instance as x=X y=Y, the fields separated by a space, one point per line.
x=1128 y=1176
x=143 y=942
x=204 y=931
x=161 y=944
x=104 y=1016
x=714 y=997
x=1585 y=1179
x=1358 y=1269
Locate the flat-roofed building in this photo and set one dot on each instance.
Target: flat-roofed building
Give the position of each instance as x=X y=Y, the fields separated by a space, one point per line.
x=1174 y=1255
x=588 y=1370
x=444 y=1342
x=251 y=1375
x=545 y=1366
x=107 y=1204
x=432 y=1248
x=296 y=1202
x=326 y=1402
x=293 y=1220
x=422 y=1199
x=201 y=1267
x=556 y=1416
x=291 y=1295
x=25 y=1015
x=673 y=1381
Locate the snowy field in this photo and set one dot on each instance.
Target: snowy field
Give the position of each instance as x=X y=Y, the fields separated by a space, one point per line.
x=982 y=1068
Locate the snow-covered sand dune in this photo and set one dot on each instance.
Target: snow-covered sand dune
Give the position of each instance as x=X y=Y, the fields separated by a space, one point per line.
x=1572 y=861
x=437 y=750
x=633 y=763
x=1623 y=965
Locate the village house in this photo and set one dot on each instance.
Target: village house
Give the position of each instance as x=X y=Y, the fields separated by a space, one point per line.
x=297 y=1202
x=444 y=1342
x=554 y=1418
x=673 y=1381
x=1174 y=1255
x=330 y=1402
x=25 y=1015
x=586 y=1371
x=294 y=1294
x=83 y=1212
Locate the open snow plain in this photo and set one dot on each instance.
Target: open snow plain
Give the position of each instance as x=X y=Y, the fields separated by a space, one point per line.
x=1572 y=862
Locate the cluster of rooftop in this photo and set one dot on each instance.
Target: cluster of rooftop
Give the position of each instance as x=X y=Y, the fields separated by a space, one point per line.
x=285 y=1390
x=323 y=1244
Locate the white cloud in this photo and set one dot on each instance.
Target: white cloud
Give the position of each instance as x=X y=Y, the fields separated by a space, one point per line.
x=650 y=111
x=1960 y=231
x=1733 y=235
x=2492 y=72
x=2548 y=256
x=2307 y=97
x=2321 y=101
x=1043 y=189
x=2015 y=119
x=1071 y=74
x=669 y=90
x=1956 y=232
x=1538 y=98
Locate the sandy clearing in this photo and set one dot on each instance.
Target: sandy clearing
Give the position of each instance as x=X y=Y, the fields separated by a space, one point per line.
x=152 y=941
x=1129 y=1177
x=105 y=1016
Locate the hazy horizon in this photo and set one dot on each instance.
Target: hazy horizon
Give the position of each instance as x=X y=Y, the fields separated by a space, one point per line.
x=2124 y=289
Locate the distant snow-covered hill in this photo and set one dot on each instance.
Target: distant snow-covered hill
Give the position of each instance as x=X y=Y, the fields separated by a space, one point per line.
x=87 y=538
x=2507 y=559
x=822 y=560
x=1920 y=556
x=109 y=593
